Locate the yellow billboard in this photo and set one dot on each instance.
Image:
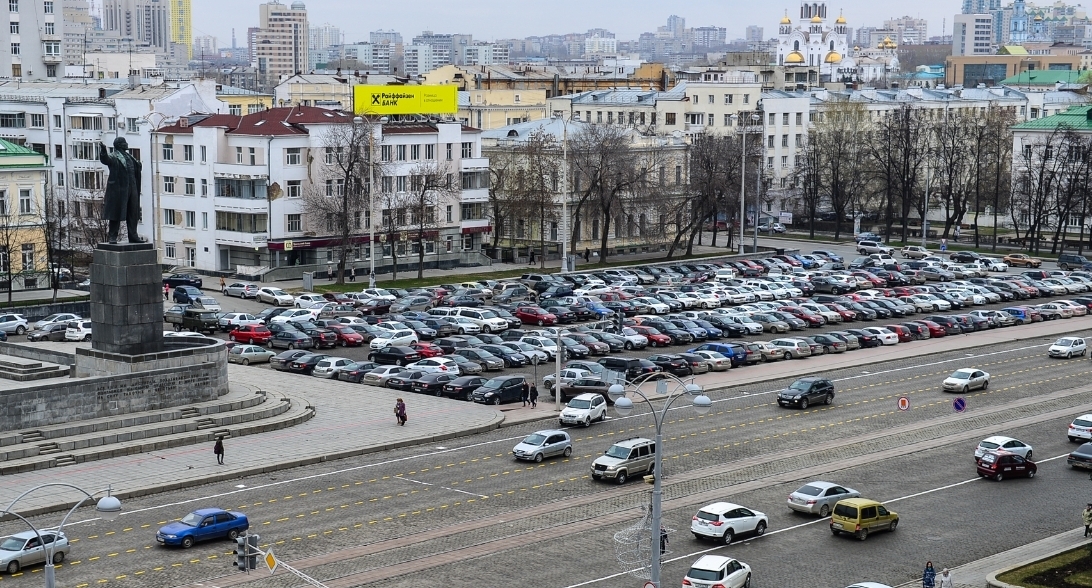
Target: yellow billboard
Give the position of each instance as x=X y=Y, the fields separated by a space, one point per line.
x=380 y=100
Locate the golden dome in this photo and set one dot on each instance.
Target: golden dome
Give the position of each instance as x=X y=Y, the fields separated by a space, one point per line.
x=795 y=57
x=786 y=20
x=1037 y=17
x=833 y=57
x=841 y=20
x=815 y=19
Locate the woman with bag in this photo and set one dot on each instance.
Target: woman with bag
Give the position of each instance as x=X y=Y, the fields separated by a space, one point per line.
x=400 y=412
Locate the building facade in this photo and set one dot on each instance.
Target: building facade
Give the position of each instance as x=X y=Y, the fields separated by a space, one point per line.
x=182 y=28
x=24 y=177
x=492 y=109
x=972 y=34
x=33 y=38
x=281 y=43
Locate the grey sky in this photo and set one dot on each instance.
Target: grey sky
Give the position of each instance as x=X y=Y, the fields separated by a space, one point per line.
x=497 y=19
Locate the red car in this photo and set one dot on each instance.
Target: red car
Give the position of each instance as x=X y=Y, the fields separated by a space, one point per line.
x=904 y=291
x=789 y=260
x=1000 y=464
x=935 y=329
x=251 y=334
x=655 y=338
x=876 y=281
x=339 y=298
x=428 y=349
x=904 y=334
x=347 y=336
x=847 y=314
x=533 y=315
x=807 y=316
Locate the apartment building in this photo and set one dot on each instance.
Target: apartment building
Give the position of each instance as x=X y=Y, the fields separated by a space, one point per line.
x=24 y=175
x=972 y=34
x=281 y=43
x=232 y=191
x=492 y=109
x=146 y=21
x=33 y=38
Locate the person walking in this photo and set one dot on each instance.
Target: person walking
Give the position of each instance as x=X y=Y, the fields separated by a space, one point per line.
x=1086 y=515
x=946 y=579
x=218 y=449
x=929 y=576
x=531 y=257
x=400 y=412
x=166 y=291
x=352 y=274
x=587 y=255
x=956 y=234
x=663 y=541
x=533 y=395
x=223 y=284
x=525 y=394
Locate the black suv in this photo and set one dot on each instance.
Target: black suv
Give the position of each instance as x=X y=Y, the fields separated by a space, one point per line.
x=1069 y=261
x=965 y=256
x=176 y=280
x=805 y=391
x=631 y=367
x=500 y=389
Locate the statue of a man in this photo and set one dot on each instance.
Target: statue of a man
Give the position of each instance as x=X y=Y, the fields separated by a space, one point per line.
x=122 y=200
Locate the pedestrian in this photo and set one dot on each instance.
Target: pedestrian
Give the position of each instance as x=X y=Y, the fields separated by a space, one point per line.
x=166 y=291
x=371 y=280
x=663 y=541
x=956 y=234
x=1087 y=516
x=218 y=449
x=929 y=576
x=329 y=271
x=525 y=394
x=352 y=274
x=400 y=412
x=534 y=396
x=587 y=255
x=531 y=257
x=223 y=284
x=946 y=579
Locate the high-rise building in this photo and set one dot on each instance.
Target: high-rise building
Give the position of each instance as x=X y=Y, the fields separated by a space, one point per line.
x=423 y=58
x=182 y=27
x=204 y=47
x=754 y=34
x=34 y=37
x=77 y=22
x=320 y=39
x=676 y=25
x=708 y=37
x=910 y=31
x=391 y=37
x=441 y=42
x=972 y=34
x=143 y=21
x=281 y=43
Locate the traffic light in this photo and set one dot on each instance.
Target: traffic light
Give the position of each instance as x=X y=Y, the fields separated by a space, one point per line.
x=621 y=318
x=240 y=553
x=252 y=552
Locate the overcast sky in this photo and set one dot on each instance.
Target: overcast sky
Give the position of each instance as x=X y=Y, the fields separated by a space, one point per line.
x=499 y=19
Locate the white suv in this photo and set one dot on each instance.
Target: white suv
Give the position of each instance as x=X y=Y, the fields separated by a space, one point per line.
x=306 y=300
x=1081 y=428
x=78 y=331
x=585 y=409
x=486 y=319
x=330 y=367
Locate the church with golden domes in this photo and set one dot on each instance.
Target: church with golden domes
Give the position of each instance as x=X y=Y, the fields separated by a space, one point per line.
x=813 y=43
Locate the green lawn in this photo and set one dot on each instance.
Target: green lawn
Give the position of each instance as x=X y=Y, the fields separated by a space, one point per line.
x=1068 y=569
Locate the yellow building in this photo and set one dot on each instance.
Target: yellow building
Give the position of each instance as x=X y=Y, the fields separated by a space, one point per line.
x=241 y=101
x=23 y=175
x=493 y=109
x=182 y=25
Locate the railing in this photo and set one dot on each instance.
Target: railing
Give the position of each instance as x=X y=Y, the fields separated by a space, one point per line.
x=406 y=263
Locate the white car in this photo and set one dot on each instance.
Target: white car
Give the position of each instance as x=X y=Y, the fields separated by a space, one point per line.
x=378 y=293
x=633 y=339
x=543 y=344
x=306 y=300
x=584 y=409
x=275 y=296
x=78 y=331
x=61 y=317
x=717 y=570
x=1076 y=308
x=330 y=367
x=717 y=361
x=465 y=326
x=723 y=521
x=406 y=337
x=436 y=365
x=657 y=306
x=1080 y=428
x=1067 y=347
x=181 y=334
x=965 y=380
x=939 y=304
x=14 y=323
x=706 y=300
x=885 y=336
x=297 y=315
x=993 y=264
x=823 y=311
x=1006 y=443
x=380 y=375
x=237 y=319
x=568 y=375
x=487 y=320
x=819 y=497
x=744 y=321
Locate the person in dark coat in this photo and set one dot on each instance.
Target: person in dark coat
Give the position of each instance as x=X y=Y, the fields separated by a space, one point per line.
x=400 y=412
x=533 y=396
x=531 y=257
x=587 y=255
x=218 y=449
x=121 y=201
x=525 y=394
x=929 y=576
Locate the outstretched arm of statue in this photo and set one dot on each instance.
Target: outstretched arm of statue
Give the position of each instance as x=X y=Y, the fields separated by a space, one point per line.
x=104 y=154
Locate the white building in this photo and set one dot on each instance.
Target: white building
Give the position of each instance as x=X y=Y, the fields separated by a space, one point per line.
x=33 y=37
x=421 y=59
x=374 y=57
x=972 y=34
x=485 y=54
x=281 y=43
x=146 y=21
x=596 y=45
x=908 y=30
x=231 y=191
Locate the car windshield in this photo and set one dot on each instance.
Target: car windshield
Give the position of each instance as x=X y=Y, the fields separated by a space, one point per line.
x=585 y=404
x=713 y=354
x=277 y=292
x=618 y=452
x=492 y=384
x=192 y=519
x=1064 y=342
x=961 y=375
x=486 y=314
x=810 y=490
x=12 y=544
x=846 y=511
x=535 y=439
x=1082 y=423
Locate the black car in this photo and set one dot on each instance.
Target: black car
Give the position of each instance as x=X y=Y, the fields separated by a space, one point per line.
x=918 y=330
x=806 y=391
x=672 y=364
x=463 y=386
x=432 y=384
x=881 y=311
x=282 y=361
x=1080 y=457
x=864 y=313
x=375 y=307
x=451 y=344
x=865 y=339
x=727 y=327
x=423 y=331
x=574 y=349
x=678 y=336
x=500 y=389
x=631 y=367
x=267 y=315
x=896 y=311
x=714 y=332
x=511 y=358
x=405 y=380
x=176 y=280
x=354 y=372
x=290 y=339
x=468 y=301
x=305 y=364
x=965 y=256
x=564 y=314
x=321 y=338
x=394 y=355
x=185 y=294
x=615 y=344
x=555 y=292
x=442 y=326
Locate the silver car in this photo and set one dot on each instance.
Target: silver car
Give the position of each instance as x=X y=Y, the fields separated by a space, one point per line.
x=247 y=354
x=543 y=444
x=13 y=323
x=819 y=497
x=25 y=549
x=241 y=290
x=380 y=375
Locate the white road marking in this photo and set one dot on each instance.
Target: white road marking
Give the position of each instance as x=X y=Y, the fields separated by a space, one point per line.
x=434 y=485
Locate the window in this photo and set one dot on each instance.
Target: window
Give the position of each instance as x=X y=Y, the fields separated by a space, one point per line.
x=770 y=141
x=13 y=5
x=13 y=120
x=610 y=117
x=772 y=118
x=26 y=202
x=14 y=27
x=784 y=161
x=238 y=155
x=235 y=109
x=800 y=118
x=3 y=203
x=449 y=211
x=295 y=188
x=169 y=217
x=385 y=152
x=205 y=221
x=784 y=140
x=727 y=98
x=799 y=140
x=449 y=151
x=387 y=184
x=28 y=257
x=746 y=98
x=669 y=118
x=468 y=150
x=37 y=121
x=190 y=186
x=400 y=152
x=60 y=179
x=415 y=152
x=292 y=156
x=48 y=7
x=168 y=184
x=252 y=154
x=678 y=175
x=191 y=219
x=430 y=151
x=769 y=163
x=727 y=120
x=328 y=155
x=168 y=152
x=252 y=108
x=56 y=121
x=204 y=187
x=401 y=182
x=187 y=153
x=49 y=29
x=15 y=51
x=785 y=118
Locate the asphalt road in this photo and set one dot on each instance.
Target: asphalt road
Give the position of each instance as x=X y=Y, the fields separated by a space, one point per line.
x=467 y=513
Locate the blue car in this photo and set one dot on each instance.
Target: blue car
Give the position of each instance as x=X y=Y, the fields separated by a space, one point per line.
x=601 y=312
x=202 y=525
x=736 y=353
x=185 y=294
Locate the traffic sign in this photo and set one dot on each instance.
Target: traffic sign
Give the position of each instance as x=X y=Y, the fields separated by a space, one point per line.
x=959 y=404
x=271 y=561
x=904 y=403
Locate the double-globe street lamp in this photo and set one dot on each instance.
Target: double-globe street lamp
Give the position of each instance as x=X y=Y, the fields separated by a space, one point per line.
x=108 y=507
x=624 y=406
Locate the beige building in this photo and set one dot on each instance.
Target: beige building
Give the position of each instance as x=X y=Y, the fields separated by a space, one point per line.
x=971 y=70
x=23 y=176
x=556 y=80
x=492 y=109
x=281 y=43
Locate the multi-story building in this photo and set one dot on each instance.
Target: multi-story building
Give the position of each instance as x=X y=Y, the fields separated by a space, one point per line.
x=555 y=79
x=33 y=39
x=371 y=57
x=232 y=192
x=281 y=43
x=391 y=37
x=423 y=58
x=320 y=39
x=24 y=177
x=447 y=47
x=77 y=23
x=326 y=90
x=492 y=109
x=182 y=28
x=242 y=101
x=204 y=47
x=147 y=21
x=597 y=45
x=754 y=34
x=485 y=54
x=971 y=70
x=972 y=34
x=908 y=30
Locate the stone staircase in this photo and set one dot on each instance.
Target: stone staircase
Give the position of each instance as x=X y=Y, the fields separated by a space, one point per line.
x=242 y=411
x=29 y=370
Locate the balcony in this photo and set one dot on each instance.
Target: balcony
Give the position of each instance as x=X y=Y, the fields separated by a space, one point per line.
x=51 y=58
x=470 y=196
x=238 y=171
x=471 y=163
x=237 y=239
x=243 y=205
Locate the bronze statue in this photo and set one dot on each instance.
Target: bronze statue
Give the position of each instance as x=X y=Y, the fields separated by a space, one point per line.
x=122 y=200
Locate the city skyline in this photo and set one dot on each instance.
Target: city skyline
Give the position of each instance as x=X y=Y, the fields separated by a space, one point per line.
x=627 y=20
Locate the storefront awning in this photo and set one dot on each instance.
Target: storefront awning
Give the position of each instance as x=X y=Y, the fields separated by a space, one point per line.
x=472 y=230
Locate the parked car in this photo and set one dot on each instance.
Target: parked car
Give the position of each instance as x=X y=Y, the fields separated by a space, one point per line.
x=60 y=317
x=251 y=334
x=176 y=280
x=248 y=354
x=275 y=296
x=819 y=497
x=291 y=339
x=240 y=290
x=500 y=389
x=229 y=321
x=542 y=444
x=394 y=354
x=999 y=464
x=355 y=372
x=1022 y=260
x=463 y=386
x=283 y=361
x=185 y=294
x=50 y=332
x=584 y=409
x=78 y=331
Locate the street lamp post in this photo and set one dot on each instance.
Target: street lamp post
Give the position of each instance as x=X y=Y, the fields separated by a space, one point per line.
x=624 y=406
x=742 y=182
x=371 y=197
x=108 y=506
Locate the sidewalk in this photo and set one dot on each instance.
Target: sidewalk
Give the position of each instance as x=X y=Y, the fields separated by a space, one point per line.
x=977 y=574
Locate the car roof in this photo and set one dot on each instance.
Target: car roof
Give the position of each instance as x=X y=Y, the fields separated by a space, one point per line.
x=858 y=502
x=588 y=396
x=998 y=439
x=208 y=511
x=711 y=562
x=30 y=534
x=821 y=484
x=632 y=442
x=720 y=507
x=549 y=432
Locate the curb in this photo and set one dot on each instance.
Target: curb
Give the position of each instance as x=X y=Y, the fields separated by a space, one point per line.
x=993 y=582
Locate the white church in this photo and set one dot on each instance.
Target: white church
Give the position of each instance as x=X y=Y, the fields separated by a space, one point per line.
x=814 y=44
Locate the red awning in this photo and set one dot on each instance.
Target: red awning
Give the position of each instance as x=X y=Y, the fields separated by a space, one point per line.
x=472 y=230
x=320 y=242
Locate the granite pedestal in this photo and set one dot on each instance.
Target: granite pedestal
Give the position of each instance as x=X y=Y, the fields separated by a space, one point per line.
x=126 y=299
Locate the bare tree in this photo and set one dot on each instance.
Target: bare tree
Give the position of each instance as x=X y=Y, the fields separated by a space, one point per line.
x=431 y=182
x=604 y=173
x=52 y=217
x=714 y=177
x=898 y=150
x=502 y=170
x=1037 y=174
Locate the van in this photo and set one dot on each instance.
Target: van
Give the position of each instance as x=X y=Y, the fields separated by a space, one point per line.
x=860 y=516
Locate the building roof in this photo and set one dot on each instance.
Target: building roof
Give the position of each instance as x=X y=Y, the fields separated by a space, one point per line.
x=1012 y=50
x=225 y=90
x=1078 y=118
x=274 y=121
x=1043 y=77
x=9 y=148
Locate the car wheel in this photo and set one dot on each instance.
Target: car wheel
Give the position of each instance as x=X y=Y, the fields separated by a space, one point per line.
x=58 y=557
x=760 y=530
x=232 y=338
x=1072 y=439
x=13 y=567
x=187 y=542
x=568 y=451
x=246 y=361
x=965 y=389
x=232 y=534
x=538 y=458
x=87 y=337
x=621 y=478
x=496 y=401
x=1031 y=474
x=824 y=511
x=1028 y=456
x=803 y=403
x=540 y=322
x=399 y=363
x=727 y=537
x=628 y=346
x=998 y=476
x=985 y=384
x=829 y=399
x=291 y=345
x=835 y=532
x=894 y=525
x=20 y=330
x=862 y=534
